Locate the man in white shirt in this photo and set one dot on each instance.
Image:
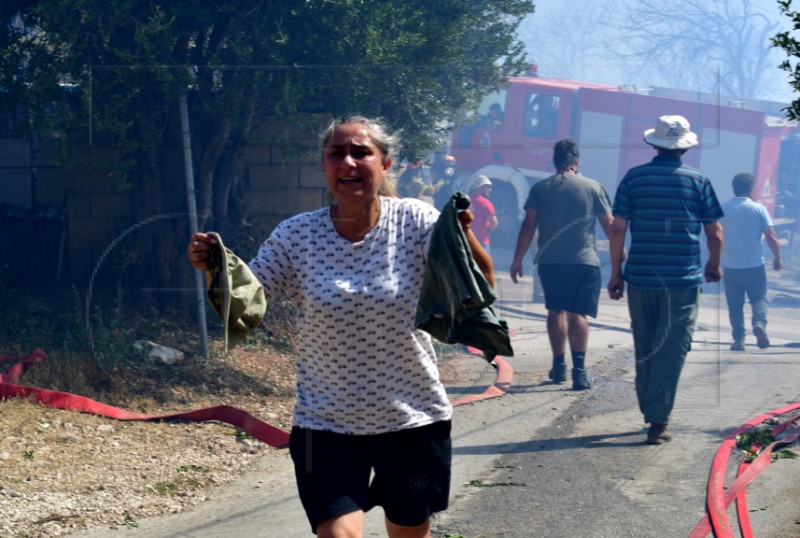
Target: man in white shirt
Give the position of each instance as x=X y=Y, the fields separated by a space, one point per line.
x=744 y=223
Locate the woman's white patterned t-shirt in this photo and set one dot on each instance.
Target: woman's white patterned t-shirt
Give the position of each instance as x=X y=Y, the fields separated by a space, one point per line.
x=362 y=367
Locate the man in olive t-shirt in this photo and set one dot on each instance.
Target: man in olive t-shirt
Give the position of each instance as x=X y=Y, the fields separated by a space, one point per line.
x=564 y=208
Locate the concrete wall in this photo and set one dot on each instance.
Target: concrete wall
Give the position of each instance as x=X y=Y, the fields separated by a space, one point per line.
x=15 y=173
x=283 y=169
x=285 y=173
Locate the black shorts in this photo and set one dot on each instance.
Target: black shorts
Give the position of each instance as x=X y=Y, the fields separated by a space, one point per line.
x=411 y=480
x=570 y=287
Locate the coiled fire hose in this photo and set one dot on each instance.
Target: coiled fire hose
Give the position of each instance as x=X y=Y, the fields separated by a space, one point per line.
x=718 y=498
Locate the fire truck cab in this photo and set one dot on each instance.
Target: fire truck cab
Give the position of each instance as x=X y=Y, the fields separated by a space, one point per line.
x=511 y=140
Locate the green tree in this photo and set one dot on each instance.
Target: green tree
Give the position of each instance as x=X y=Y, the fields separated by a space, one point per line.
x=419 y=64
x=790 y=45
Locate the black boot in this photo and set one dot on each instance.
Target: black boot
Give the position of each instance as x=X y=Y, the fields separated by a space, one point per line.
x=579 y=379
x=558 y=373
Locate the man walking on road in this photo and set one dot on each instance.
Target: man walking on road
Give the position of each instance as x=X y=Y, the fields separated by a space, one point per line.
x=744 y=224
x=667 y=204
x=564 y=207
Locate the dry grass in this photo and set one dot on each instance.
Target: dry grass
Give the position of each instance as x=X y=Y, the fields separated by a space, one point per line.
x=96 y=357
x=61 y=470
x=245 y=377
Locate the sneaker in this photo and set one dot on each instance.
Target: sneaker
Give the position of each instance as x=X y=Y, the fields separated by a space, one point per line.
x=558 y=373
x=658 y=434
x=579 y=379
x=761 y=337
x=737 y=345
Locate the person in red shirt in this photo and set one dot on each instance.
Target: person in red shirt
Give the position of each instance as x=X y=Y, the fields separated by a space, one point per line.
x=483 y=210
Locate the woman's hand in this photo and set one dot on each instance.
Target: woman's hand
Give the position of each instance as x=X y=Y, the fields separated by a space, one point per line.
x=466 y=218
x=199 y=250
x=480 y=256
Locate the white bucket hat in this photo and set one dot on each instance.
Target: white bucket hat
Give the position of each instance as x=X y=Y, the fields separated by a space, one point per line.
x=671 y=132
x=480 y=181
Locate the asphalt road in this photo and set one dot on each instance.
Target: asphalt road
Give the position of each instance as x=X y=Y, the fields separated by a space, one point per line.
x=544 y=460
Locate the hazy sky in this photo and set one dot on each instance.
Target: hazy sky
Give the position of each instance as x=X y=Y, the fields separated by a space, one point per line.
x=574 y=38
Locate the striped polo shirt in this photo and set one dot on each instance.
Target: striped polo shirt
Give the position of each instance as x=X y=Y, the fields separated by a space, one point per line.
x=666 y=204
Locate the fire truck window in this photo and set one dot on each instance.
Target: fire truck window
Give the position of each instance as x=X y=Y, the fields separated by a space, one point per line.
x=494 y=118
x=489 y=117
x=541 y=115
x=788 y=196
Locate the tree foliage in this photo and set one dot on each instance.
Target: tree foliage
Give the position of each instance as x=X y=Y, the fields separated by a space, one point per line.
x=791 y=46
x=416 y=63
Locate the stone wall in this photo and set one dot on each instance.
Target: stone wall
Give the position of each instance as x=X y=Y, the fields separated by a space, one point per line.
x=283 y=171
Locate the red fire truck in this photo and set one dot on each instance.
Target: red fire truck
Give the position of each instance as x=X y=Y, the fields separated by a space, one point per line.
x=513 y=145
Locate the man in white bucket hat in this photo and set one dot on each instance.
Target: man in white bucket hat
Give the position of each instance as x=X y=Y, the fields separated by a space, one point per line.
x=671 y=132
x=483 y=210
x=667 y=203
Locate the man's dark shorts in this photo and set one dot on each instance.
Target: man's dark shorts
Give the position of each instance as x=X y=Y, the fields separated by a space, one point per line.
x=570 y=287
x=412 y=472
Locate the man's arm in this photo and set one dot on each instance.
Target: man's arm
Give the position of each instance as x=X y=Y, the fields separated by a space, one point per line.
x=616 y=246
x=713 y=270
x=524 y=239
x=492 y=221
x=775 y=246
x=606 y=222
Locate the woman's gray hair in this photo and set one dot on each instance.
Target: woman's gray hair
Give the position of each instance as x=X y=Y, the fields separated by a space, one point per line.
x=387 y=142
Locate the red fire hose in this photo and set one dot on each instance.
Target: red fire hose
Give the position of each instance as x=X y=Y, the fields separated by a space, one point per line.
x=719 y=498
x=251 y=425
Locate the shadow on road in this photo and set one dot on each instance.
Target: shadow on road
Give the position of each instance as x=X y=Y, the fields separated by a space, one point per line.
x=550 y=445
